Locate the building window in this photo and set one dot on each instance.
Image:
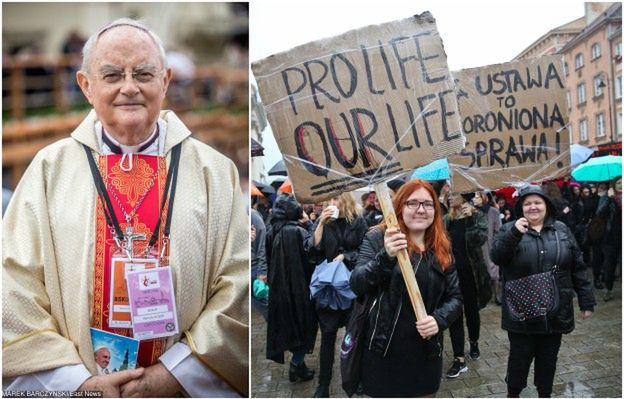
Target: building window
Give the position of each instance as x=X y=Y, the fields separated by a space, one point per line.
x=569 y=99
x=595 y=51
x=580 y=93
x=618 y=124
x=618 y=87
x=583 y=130
x=600 y=125
x=618 y=49
x=566 y=70
x=598 y=85
x=578 y=61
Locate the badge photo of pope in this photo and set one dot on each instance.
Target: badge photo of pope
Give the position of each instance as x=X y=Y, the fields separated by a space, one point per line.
x=130 y=189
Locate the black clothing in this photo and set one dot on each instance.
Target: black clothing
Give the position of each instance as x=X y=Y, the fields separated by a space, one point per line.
x=580 y=228
x=597 y=261
x=609 y=251
x=396 y=361
x=523 y=348
x=590 y=205
x=326 y=357
x=380 y=377
x=569 y=218
x=264 y=211
x=292 y=321
x=520 y=255
x=576 y=211
x=339 y=237
x=373 y=216
x=467 y=236
x=609 y=210
x=509 y=208
x=471 y=311
x=533 y=252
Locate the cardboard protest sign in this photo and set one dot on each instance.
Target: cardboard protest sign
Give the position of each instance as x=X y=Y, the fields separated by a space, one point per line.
x=513 y=116
x=355 y=109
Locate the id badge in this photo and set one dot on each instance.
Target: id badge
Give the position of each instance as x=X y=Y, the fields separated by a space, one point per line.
x=152 y=303
x=119 y=315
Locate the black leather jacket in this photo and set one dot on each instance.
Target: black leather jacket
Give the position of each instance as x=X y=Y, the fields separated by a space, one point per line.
x=520 y=255
x=379 y=276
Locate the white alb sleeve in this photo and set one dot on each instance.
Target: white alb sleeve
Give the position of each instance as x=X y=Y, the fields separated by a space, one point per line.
x=65 y=378
x=197 y=380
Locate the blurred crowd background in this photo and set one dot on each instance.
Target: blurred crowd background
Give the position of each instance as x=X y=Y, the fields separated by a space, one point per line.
x=206 y=44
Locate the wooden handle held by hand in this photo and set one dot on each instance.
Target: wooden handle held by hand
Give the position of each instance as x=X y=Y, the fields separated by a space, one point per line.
x=383 y=195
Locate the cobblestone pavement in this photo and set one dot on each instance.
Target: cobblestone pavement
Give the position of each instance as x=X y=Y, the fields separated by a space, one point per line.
x=589 y=363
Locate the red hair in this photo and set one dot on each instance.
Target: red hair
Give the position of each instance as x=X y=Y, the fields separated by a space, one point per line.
x=435 y=235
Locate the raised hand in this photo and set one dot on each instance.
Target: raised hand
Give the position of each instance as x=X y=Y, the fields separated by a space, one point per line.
x=394 y=241
x=522 y=225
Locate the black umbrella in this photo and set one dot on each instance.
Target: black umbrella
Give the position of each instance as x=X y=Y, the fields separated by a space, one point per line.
x=276 y=184
x=257 y=150
x=265 y=189
x=278 y=169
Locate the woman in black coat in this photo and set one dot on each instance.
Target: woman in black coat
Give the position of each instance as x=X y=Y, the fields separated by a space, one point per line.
x=402 y=357
x=291 y=321
x=334 y=238
x=533 y=244
x=468 y=231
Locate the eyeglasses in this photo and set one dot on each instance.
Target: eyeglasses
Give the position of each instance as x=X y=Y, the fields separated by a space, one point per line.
x=140 y=76
x=415 y=204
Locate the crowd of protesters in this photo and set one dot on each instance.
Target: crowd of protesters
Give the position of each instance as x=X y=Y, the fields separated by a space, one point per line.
x=464 y=250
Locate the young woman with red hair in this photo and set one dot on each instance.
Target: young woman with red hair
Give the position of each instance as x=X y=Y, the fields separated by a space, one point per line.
x=402 y=357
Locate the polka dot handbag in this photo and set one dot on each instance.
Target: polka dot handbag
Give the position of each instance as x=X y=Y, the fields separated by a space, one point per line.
x=533 y=296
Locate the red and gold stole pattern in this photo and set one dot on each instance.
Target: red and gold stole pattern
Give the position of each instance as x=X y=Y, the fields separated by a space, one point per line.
x=129 y=187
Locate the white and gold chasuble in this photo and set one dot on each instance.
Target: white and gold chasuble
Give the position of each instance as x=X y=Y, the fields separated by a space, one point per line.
x=49 y=244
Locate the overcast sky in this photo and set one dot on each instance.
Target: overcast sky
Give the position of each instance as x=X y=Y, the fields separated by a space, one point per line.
x=474 y=33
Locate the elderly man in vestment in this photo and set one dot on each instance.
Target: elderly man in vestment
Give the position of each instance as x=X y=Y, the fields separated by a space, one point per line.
x=130 y=190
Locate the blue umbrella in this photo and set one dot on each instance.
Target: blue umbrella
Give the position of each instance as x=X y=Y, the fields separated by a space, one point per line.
x=436 y=170
x=599 y=169
x=330 y=285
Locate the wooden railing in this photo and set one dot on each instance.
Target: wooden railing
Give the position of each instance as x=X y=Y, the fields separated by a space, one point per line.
x=21 y=140
x=48 y=82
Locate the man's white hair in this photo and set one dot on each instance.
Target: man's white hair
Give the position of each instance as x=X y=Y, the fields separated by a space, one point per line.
x=87 y=49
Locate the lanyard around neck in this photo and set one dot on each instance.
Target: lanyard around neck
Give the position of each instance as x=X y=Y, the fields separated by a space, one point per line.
x=109 y=212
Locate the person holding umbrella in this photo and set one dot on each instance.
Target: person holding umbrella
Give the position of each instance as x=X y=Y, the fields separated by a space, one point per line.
x=338 y=233
x=538 y=251
x=402 y=357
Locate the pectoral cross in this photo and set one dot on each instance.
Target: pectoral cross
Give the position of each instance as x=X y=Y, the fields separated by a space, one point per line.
x=129 y=238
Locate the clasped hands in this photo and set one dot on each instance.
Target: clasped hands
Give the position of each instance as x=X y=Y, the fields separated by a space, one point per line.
x=151 y=381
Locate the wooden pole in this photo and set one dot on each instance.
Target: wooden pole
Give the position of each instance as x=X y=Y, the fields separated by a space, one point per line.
x=383 y=195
